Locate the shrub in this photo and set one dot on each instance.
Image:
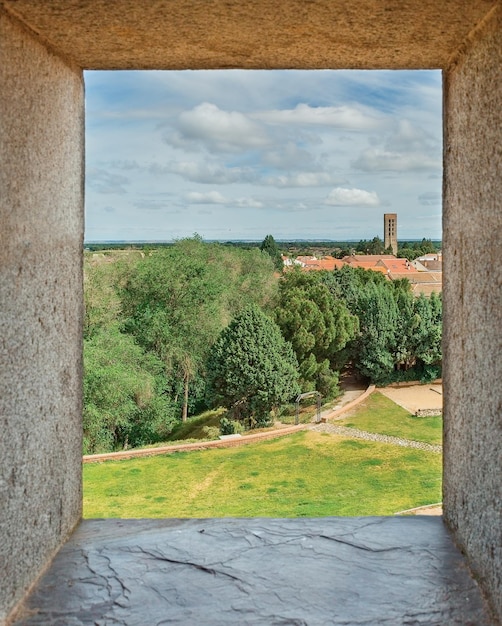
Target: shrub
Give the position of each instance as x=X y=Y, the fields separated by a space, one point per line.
x=230 y=427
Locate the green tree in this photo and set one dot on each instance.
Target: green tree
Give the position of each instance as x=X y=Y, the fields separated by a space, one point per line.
x=269 y=246
x=375 y=246
x=103 y=276
x=378 y=316
x=252 y=368
x=250 y=278
x=173 y=301
x=399 y=335
x=124 y=403
x=428 y=331
x=406 y=325
x=411 y=251
x=318 y=325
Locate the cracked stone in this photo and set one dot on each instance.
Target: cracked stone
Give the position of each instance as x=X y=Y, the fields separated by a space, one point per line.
x=257 y=571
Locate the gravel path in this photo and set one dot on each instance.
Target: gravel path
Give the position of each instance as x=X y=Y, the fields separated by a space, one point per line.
x=363 y=434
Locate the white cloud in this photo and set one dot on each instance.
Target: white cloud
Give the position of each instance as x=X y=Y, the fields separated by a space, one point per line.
x=349 y=117
x=247 y=203
x=289 y=157
x=408 y=148
x=205 y=173
x=215 y=197
x=207 y=197
x=410 y=138
x=342 y=196
x=241 y=147
x=217 y=130
x=376 y=160
x=305 y=179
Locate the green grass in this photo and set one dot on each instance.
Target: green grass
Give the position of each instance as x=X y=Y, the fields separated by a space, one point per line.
x=378 y=414
x=194 y=428
x=305 y=474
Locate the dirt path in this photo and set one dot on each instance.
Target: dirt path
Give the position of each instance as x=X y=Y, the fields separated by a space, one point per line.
x=415 y=397
x=352 y=389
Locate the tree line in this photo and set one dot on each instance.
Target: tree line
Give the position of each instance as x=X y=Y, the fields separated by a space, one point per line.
x=172 y=331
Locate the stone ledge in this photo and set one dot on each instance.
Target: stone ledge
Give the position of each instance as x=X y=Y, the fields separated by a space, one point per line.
x=373 y=570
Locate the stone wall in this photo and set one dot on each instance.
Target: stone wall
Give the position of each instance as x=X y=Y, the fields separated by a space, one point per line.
x=428 y=412
x=472 y=372
x=41 y=217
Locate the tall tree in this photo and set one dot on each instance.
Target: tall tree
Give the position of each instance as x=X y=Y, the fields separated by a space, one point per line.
x=427 y=335
x=269 y=246
x=318 y=325
x=251 y=367
x=406 y=325
x=173 y=305
x=378 y=315
x=124 y=403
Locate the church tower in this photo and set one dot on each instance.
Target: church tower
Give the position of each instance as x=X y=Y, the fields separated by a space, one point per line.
x=390 y=231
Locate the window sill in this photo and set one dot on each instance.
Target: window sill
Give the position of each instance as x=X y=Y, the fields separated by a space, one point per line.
x=370 y=570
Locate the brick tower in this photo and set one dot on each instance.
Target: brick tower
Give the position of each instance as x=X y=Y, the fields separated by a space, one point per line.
x=390 y=231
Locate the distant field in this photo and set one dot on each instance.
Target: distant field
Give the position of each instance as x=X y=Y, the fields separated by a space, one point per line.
x=378 y=414
x=305 y=474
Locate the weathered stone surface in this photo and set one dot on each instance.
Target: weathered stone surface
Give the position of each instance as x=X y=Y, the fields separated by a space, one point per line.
x=263 y=34
x=259 y=571
x=472 y=338
x=41 y=235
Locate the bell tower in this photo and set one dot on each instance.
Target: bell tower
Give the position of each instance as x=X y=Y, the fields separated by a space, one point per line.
x=390 y=231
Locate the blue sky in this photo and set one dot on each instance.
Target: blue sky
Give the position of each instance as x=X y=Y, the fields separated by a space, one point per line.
x=239 y=154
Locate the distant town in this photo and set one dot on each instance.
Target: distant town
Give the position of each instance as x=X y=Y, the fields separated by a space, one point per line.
x=424 y=273
x=417 y=260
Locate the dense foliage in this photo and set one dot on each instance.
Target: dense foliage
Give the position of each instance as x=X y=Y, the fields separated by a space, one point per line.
x=170 y=331
x=270 y=247
x=252 y=368
x=157 y=314
x=399 y=335
x=375 y=246
x=412 y=250
x=318 y=325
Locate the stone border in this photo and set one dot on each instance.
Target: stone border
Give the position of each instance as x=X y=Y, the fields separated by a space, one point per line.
x=416 y=510
x=218 y=443
x=188 y=447
x=428 y=412
x=413 y=383
x=355 y=433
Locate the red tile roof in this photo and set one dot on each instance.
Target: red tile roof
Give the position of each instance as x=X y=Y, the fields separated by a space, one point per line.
x=367 y=258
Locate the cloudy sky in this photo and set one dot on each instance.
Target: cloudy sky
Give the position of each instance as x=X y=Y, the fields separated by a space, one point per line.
x=237 y=154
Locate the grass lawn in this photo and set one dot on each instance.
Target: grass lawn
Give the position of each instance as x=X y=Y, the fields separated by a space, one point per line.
x=305 y=474
x=378 y=414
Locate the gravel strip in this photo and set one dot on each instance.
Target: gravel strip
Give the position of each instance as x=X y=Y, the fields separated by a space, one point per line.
x=363 y=434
